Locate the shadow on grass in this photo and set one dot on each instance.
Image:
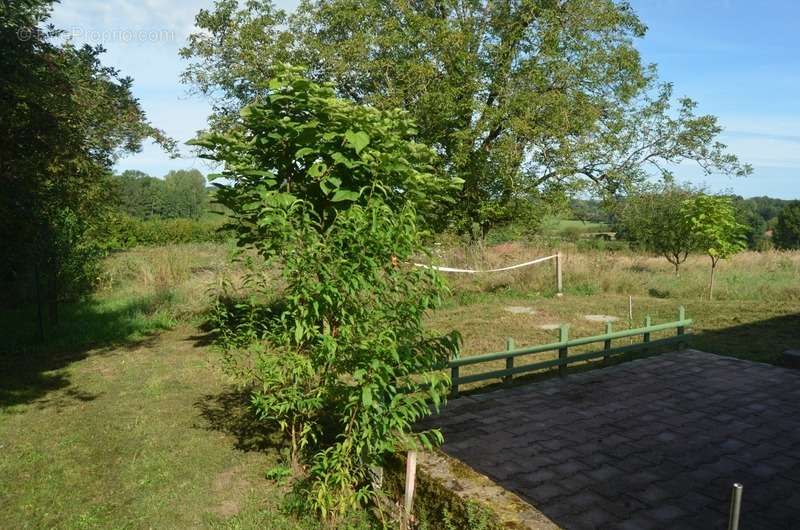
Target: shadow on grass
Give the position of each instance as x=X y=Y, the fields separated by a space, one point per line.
x=230 y=412
x=31 y=368
x=762 y=340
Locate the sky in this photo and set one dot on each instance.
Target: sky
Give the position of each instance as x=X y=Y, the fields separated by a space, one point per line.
x=739 y=59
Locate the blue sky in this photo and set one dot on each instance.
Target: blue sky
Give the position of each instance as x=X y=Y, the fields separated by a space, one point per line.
x=739 y=59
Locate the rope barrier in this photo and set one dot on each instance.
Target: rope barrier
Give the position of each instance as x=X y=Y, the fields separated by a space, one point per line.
x=470 y=271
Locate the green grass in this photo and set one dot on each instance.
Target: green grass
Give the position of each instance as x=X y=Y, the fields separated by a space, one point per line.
x=140 y=435
x=755 y=314
x=121 y=418
x=559 y=226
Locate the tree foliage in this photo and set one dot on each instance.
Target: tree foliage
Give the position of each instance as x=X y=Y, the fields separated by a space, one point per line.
x=331 y=192
x=787 y=229
x=66 y=118
x=653 y=219
x=522 y=100
x=180 y=194
x=713 y=222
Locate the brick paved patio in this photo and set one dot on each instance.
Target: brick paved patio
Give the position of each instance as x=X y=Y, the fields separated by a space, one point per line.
x=653 y=443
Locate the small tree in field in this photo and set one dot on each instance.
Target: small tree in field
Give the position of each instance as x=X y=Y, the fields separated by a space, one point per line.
x=653 y=219
x=713 y=223
x=332 y=192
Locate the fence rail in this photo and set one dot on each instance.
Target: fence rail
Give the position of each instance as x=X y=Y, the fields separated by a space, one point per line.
x=562 y=347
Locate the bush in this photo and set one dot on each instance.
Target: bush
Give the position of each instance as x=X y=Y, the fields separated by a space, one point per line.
x=124 y=232
x=329 y=192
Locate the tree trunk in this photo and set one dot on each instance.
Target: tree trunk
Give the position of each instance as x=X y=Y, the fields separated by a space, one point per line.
x=295 y=451
x=52 y=298
x=39 y=315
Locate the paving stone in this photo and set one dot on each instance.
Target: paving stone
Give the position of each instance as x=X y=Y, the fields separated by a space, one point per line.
x=651 y=444
x=666 y=514
x=595 y=518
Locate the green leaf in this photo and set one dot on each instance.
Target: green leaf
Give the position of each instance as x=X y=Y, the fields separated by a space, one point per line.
x=366 y=396
x=345 y=195
x=317 y=169
x=329 y=184
x=303 y=152
x=358 y=140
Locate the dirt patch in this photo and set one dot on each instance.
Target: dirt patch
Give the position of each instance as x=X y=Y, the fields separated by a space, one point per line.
x=231 y=488
x=549 y=327
x=519 y=310
x=601 y=318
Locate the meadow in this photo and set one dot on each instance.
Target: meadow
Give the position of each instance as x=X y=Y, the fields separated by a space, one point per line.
x=123 y=417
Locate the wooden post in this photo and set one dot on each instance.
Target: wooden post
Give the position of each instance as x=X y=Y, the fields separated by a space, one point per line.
x=559 y=283
x=563 y=337
x=607 y=345
x=630 y=309
x=646 y=336
x=509 y=360
x=454 y=382
x=681 y=329
x=411 y=477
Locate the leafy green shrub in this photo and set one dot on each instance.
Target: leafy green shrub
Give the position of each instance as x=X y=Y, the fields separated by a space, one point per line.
x=124 y=232
x=331 y=193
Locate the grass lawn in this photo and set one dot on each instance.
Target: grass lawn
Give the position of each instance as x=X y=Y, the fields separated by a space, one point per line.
x=559 y=226
x=123 y=419
x=137 y=428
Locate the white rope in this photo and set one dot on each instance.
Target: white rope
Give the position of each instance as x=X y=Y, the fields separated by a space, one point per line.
x=470 y=271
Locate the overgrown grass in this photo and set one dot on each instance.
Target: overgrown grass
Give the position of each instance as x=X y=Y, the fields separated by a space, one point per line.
x=120 y=419
x=755 y=314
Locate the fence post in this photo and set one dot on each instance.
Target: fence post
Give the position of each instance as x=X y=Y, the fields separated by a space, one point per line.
x=454 y=382
x=509 y=360
x=646 y=335
x=681 y=329
x=559 y=283
x=563 y=337
x=607 y=344
x=411 y=477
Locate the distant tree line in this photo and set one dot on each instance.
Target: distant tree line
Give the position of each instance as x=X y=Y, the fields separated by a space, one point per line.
x=180 y=194
x=768 y=222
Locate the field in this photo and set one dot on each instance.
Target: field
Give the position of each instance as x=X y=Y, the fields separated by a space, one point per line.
x=123 y=419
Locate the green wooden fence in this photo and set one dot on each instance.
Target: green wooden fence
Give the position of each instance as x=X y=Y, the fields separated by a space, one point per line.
x=562 y=347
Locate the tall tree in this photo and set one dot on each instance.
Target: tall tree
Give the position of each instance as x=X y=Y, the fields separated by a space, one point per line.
x=185 y=193
x=520 y=99
x=139 y=194
x=66 y=118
